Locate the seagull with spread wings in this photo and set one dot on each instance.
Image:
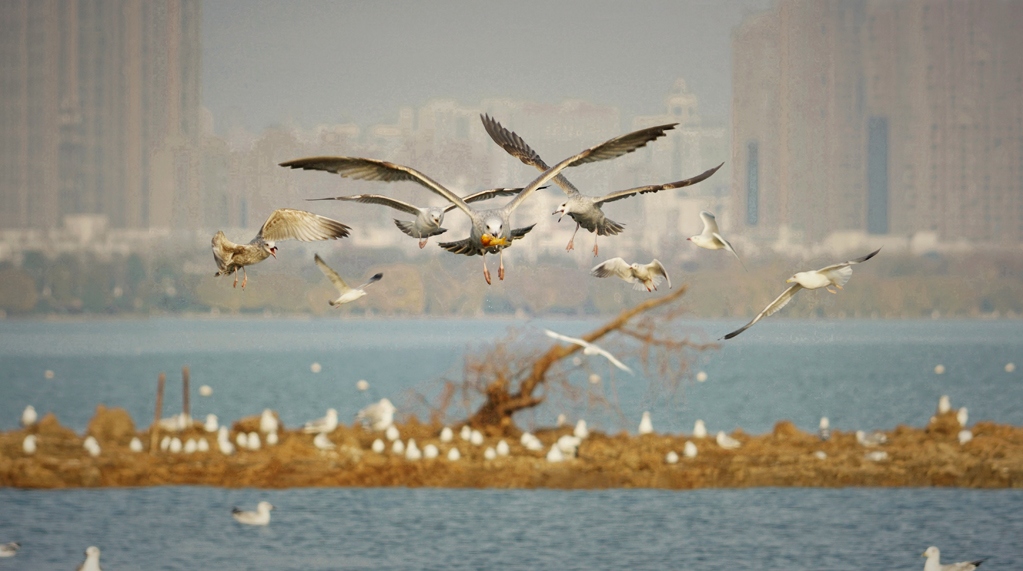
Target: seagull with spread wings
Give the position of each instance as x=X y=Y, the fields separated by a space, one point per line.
x=589 y=349
x=429 y=219
x=491 y=229
x=711 y=238
x=347 y=292
x=640 y=275
x=283 y=224
x=835 y=275
x=585 y=210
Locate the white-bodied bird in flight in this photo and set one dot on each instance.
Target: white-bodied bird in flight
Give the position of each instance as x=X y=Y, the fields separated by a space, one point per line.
x=641 y=276
x=589 y=349
x=347 y=292
x=711 y=239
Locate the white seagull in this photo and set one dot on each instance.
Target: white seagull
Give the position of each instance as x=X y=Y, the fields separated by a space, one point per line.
x=711 y=239
x=347 y=292
x=379 y=415
x=699 y=429
x=933 y=563
x=589 y=349
x=29 y=416
x=835 y=275
x=28 y=445
x=91 y=562
x=428 y=220
x=584 y=210
x=259 y=517
x=321 y=442
x=283 y=224
x=641 y=276
x=9 y=549
x=268 y=421
x=727 y=442
x=326 y=424
x=491 y=229
x=645 y=424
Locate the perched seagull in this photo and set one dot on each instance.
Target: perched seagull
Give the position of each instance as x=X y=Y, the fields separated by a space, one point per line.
x=489 y=454
x=502 y=448
x=190 y=446
x=965 y=436
x=835 y=275
x=9 y=549
x=699 y=429
x=379 y=415
x=398 y=447
x=454 y=455
x=135 y=445
x=283 y=224
x=580 y=429
x=711 y=238
x=429 y=219
x=446 y=434
x=585 y=210
x=224 y=443
x=321 y=442
x=476 y=438
x=175 y=445
x=876 y=455
x=962 y=415
x=91 y=562
x=392 y=432
x=29 y=416
x=91 y=446
x=589 y=349
x=253 y=441
x=378 y=446
x=491 y=229
x=412 y=451
x=727 y=442
x=689 y=450
x=347 y=293
x=28 y=445
x=268 y=421
x=242 y=440
x=211 y=423
x=569 y=445
x=639 y=275
x=165 y=444
x=645 y=425
x=203 y=446
x=944 y=404
x=326 y=424
x=259 y=517
x=875 y=438
x=465 y=433
x=671 y=457
x=430 y=451
x=555 y=454
x=824 y=429
x=933 y=563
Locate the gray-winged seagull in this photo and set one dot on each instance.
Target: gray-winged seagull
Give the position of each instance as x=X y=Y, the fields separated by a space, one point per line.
x=91 y=562
x=640 y=275
x=259 y=517
x=347 y=292
x=933 y=563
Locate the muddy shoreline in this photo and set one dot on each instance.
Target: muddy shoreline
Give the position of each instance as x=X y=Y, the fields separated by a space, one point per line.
x=918 y=457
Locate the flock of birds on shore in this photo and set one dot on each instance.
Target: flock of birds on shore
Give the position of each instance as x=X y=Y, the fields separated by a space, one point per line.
x=491 y=229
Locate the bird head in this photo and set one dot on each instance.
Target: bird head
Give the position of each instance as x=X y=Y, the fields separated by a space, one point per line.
x=791 y=280
x=562 y=210
x=435 y=215
x=493 y=228
x=270 y=248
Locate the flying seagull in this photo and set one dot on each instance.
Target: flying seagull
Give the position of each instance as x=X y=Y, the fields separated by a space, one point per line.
x=589 y=349
x=933 y=563
x=347 y=293
x=641 y=276
x=585 y=210
x=259 y=517
x=491 y=229
x=711 y=238
x=428 y=219
x=283 y=224
x=835 y=275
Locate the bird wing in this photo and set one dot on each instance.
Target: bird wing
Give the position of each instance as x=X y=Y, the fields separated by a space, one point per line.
x=658 y=268
x=485 y=195
x=516 y=147
x=377 y=199
x=373 y=280
x=710 y=224
x=839 y=274
x=620 y=194
x=567 y=339
x=331 y=274
x=850 y=262
x=285 y=223
x=609 y=149
x=613 y=360
x=771 y=309
x=728 y=246
x=373 y=169
x=616 y=267
x=222 y=246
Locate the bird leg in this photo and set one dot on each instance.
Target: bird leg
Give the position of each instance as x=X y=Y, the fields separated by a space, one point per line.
x=245 y=277
x=594 y=244
x=500 y=268
x=486 y=272
x=235 y=284
x=571 y=241
x=830 y=290
x=422 y=243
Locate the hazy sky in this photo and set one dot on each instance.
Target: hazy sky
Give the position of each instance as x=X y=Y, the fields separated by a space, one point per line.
x=318 y=61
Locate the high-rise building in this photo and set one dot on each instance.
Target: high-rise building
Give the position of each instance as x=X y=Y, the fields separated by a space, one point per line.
x=880 y=117
x=90 y=92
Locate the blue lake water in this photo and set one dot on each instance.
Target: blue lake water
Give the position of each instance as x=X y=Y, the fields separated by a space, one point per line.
x=862 y=374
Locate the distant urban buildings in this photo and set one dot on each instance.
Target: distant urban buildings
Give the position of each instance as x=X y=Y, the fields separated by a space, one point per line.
x=895 y=119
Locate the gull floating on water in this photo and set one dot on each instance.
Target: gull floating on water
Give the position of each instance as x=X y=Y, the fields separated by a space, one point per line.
x=29 y=416
x=711 y=239
x=259 y=517
x=641 y=276
x=699 y=429
x=362 y=385
x=836 y=275
x=379 y=415
x=491 y=230
x=584 y=210
x=268 y=421
x=589 y=349
x=646 y=426
x=205 y=390
x=429 y=219
x=91 y=562
x=9 y=549
x=348 y=293
x=727 y=442
x=322 y=442
x=933 y=563
x=283 y=224
x=28 y=445
x=326 y=424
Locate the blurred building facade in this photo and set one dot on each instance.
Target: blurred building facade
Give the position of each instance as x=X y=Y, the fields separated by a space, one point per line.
x=99 y=111
x=883 y=118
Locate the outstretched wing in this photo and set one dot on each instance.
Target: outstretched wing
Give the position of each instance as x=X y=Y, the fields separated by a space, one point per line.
x=658 y=268
x=609 y=149
x=615 y=267
x=566 y=338
x=710 y=224
x=377 y=199
x=331 y=274
x=850 y=262
x=728 y=246
x=770 y=310
x=486 y=195
x=618 y=195
x=613 y=360
x=373 y=280
x=516 y=147
x=376 y=170
x=287 y=223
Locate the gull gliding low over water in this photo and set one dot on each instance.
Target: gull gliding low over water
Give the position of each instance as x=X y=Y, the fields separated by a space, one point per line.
x=283 y=224
x=348 y=293
x=639 y=275
x=429 y=219
x=491 y=229
x=711 y=239
x=585 y=210
x=835 y=275
x=589 y=349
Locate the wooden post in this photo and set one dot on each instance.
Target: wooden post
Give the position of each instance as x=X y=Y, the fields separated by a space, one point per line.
x=185 y=377
x=154 y=431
